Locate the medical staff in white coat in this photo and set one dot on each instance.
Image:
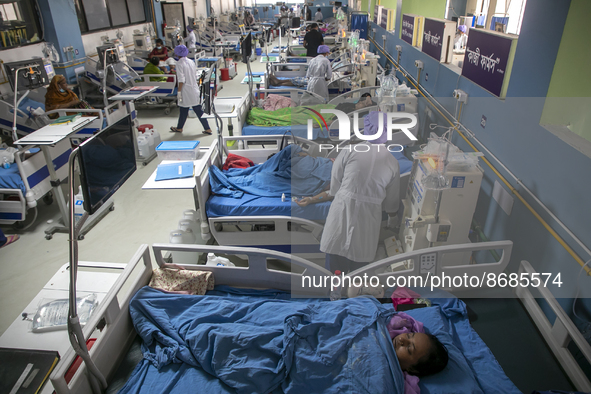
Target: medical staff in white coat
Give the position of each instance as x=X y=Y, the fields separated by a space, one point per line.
x=188 y=95
x=190 y=41
x=461 y=38
x=319 y=72
x=364 y=182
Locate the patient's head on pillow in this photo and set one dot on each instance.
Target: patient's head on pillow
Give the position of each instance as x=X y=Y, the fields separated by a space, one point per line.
x=420 y=354
x=364 y=101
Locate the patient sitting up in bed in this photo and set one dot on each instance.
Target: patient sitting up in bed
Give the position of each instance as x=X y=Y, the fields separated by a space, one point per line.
x=59 y=96
x=152 y=68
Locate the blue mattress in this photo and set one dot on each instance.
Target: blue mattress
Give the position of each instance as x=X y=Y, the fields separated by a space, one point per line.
x=209 y=323
x=249 y=205
x=10 y=178
x=297 y=130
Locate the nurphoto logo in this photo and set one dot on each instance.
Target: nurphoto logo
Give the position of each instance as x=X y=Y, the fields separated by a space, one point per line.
x=392 y=124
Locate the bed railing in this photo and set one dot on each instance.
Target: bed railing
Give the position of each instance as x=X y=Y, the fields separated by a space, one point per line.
x=559 y=334
x=115 y=329
x=299 y=96
x=429 y=263
x=257 y=274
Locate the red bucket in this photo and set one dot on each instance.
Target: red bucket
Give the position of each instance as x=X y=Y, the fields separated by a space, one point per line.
x=225 y=74
x=142 y=128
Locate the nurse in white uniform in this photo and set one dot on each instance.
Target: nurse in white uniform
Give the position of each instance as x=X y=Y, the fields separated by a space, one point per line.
x=461 y=38
x=364 y=182
x=191 y=40
x=188 y=95
x=319 y=72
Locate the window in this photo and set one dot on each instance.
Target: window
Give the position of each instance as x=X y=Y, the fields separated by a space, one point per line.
x=106 y=14
x=504 y=15
x=19 y=24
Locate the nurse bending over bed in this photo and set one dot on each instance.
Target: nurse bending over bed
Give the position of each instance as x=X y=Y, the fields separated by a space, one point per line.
x=364 y=182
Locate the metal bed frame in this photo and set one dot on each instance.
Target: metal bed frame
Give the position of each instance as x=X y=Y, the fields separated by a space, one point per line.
x=302 y=234
x=116 y=330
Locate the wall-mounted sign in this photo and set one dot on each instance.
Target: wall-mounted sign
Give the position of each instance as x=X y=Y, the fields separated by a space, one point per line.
x=376 y=12
x=408 y=28
x=488 y=59
x=384 y=18
x=438 y=39
x=412 y=29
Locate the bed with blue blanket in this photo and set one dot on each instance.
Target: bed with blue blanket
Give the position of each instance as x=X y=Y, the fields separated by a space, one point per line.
x=263 y=341
x=257 y=191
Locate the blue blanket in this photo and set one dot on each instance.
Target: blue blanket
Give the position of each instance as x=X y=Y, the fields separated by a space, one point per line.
x=262 y=345
x=285 y=173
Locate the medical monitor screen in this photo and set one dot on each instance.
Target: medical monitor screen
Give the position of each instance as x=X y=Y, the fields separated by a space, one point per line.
x=32 y=76
x=246 y=48
x=107 y=53
x=107 y=160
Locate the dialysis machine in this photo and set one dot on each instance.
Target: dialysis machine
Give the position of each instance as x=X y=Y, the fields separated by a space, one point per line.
x=109 y=73
x=143 y=43
x=173 y=36
x=441 y=199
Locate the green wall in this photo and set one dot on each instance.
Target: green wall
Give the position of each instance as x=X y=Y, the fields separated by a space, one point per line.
x=364 y=4
x=426 y=8
x=569 y=94
x=372 y=4
x=389 y=4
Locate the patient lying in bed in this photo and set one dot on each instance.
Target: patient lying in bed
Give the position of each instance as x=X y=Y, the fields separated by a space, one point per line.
x=299 y=115
x=288 y=172
x=253 y=344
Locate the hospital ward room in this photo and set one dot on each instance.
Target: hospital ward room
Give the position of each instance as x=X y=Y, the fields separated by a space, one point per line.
x=246 y=197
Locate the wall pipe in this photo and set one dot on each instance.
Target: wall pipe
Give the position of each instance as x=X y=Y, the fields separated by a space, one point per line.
x=552 y=232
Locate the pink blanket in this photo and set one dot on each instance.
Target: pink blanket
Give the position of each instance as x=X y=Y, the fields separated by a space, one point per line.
x=275 y=101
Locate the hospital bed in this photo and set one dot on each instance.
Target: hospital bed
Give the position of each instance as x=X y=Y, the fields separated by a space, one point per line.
x=472 y=366
x=339 y=83
x=27 y=121
x=298 y=96
x=302 y=97
x=264 y=221
x=27 y=181
x=165 y=96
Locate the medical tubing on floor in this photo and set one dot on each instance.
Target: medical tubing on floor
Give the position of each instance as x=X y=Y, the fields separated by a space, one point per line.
x=552 y=232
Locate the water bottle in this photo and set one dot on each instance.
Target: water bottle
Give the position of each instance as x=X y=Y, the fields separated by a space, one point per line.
x=143 y=146
x=5 y=162
x=335 y=292
x=218 y=261
x=176 y=237
x=155 y=135
x=151 y=143
x=193 y=217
